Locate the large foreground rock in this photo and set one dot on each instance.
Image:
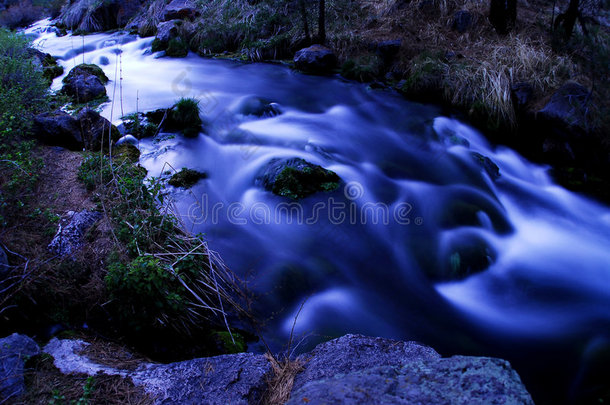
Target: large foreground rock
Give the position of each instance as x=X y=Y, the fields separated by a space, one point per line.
x=69 y=236
x=315 y=59
x=356 y=369
x=14 y=351
x=229 y=379
x=86 y=131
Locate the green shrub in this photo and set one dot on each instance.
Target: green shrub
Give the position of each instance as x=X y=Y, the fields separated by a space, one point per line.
x=185 y=117
x=23 y=93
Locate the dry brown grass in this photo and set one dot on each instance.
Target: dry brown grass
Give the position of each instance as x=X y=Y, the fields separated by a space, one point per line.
x=45 y=384
x=279 y=384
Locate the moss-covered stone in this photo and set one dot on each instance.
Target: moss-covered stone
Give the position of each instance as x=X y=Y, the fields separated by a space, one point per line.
x=177 y=48
x=87 y=69
x=127 y=152
x=296 y=178
x=51 y=72
x=186 y=178
x=487 y=164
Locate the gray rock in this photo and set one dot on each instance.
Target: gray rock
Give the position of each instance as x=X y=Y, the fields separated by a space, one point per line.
x=452 y=381
x=315 y=59
x=166 y=31
x=14 y=351
x=69 y=237
x=355 y=369
x=462 y=21
x=180 y=9
x=568 y=106
x=129 y=139
x=356 y=352
x=58 y=128
x=229 y=379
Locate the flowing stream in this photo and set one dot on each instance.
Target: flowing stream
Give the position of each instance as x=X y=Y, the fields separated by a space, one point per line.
x=414 y=201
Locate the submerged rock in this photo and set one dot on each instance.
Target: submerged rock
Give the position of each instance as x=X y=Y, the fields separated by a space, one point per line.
x=487 y=164
x=257 y=107
x=14 y=351
x=296 y=178
x=315 y=59
x=356 y=369
x=69 y=237
x=186 y=178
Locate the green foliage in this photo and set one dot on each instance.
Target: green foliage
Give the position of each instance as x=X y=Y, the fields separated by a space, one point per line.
x=23 y=92
x=177 y=48
x=231 y=342
x=364 y=69
x=185 y=116
x=299 y=183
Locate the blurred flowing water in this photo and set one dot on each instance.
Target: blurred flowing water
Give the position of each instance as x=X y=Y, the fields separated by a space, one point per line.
x=415 y=201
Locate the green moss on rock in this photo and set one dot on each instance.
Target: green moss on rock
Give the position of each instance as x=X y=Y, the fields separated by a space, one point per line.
x=186 y=178
x=297 y=178
x=89 y=69
x=177 y=48
x=127 y=152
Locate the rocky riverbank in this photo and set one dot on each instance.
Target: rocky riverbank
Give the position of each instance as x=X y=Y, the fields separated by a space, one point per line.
x=352 y=369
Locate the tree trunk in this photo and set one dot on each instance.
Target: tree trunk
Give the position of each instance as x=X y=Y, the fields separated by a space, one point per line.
x=503 y=15
x=568 y=19
x=322 y=22
x=304 y=19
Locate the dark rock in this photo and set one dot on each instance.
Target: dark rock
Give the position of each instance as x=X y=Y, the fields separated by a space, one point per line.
x=296 y=178
x=389 y=372
x=58 y=128
x=85 y=83
x=315 y=59
x=177 y=48
x=568 y=106
x=487 y=164
x=4 y=266
x=462 y=21
x=180 y=10
x=186 y=178
x=95 y=129
x=521 y=94
x=464 y=257
x=257 y=107
x=69 y=236
x=387 y=50
x=166 y=31
x=14 y=351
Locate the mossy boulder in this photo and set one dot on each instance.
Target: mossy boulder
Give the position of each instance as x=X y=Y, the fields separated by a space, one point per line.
x=177 y=48
x=296 y=178
x=85 y=83
x=186 y=178
x=127 y=152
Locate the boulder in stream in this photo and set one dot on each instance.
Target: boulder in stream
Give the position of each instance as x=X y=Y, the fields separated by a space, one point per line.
x=315 y=59
x=296 y=178
x=84 y=83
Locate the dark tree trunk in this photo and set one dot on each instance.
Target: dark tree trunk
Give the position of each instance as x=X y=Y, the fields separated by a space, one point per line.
x=322 y=22
x=304 y=19
x=567 y=20
x=503 y=15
